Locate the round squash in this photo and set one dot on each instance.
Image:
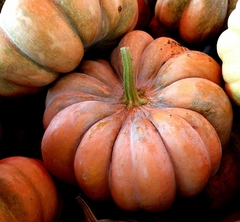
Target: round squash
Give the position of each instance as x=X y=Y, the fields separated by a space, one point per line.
x=40 y=40
x=27 y=191
x=146 y=125
x=195 y=20
x=228 y=46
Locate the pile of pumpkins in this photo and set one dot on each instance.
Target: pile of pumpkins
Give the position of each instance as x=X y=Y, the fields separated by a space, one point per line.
x=120 y=110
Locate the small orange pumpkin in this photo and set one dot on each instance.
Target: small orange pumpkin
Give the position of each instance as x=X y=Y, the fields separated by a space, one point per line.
x=148 y=125
x=27 y=191
x=196 y=21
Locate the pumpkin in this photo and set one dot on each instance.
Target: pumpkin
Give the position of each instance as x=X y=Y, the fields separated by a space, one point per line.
x=40 y=40
x=140 y=128
x=196 y=21
x=28 y=192
x=228 y=46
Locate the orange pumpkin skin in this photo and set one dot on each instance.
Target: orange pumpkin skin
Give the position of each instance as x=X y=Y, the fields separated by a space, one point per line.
x=40 y=40
x=196 y=20
x=143 y=155
x=28 y=192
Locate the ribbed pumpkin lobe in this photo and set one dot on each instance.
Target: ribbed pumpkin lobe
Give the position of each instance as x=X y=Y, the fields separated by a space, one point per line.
x=131 y=97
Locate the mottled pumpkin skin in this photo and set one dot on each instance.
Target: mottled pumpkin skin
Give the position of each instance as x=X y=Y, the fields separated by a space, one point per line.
x=27 y=191
x=228 y=46
x=40 y=40
x=196 y=20
x=140 y=156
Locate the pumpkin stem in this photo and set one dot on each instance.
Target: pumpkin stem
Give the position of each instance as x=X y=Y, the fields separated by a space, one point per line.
x=131 y=95
x=89 y=216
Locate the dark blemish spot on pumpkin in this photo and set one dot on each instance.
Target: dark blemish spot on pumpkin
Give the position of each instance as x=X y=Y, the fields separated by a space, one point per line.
x=194 y=127
x=85 y=176
x=119 y=8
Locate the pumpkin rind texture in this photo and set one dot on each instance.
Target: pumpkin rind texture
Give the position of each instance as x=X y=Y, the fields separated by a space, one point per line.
x=196 y=21
x=28 y=192
x=228 y=47
x=140 y=155
x=40 y=40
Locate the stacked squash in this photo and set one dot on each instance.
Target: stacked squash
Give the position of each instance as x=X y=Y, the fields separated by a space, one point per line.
x=139 y=128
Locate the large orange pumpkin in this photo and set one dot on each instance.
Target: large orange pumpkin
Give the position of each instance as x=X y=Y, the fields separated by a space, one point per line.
x=27 y=191
x=40 y=39
x=139 y=129
x=196 y=21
